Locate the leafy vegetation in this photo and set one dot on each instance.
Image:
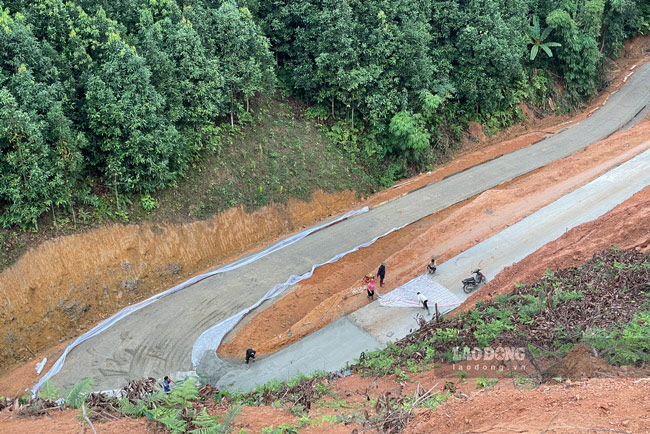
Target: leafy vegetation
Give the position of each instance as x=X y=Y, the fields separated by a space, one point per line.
x=485 y=382
x=105 y=102
x=183 y=410
x=538 y=39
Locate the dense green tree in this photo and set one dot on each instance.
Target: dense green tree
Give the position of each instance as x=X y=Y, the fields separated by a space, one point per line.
x=488 y=60
x=135 y=147
x=243 y=53
x=189 y=81
x=409 y=137
x=40 y=151
x=621 y=19
x=579 y=56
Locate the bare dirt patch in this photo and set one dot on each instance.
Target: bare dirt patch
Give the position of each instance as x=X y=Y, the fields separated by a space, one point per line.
x=67 y=422
x=596 y=405
x=580 y=363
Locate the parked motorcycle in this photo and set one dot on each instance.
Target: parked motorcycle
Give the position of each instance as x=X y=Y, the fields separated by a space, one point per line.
x=471 y=283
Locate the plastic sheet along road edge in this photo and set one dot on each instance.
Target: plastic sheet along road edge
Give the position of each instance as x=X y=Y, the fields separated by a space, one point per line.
x=104 y=325
x=210 y=339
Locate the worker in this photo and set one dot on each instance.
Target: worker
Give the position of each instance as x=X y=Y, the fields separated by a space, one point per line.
x=371 y=287
x=431 y=268
x=250 y=354
x=381 y=273
x=424 y=300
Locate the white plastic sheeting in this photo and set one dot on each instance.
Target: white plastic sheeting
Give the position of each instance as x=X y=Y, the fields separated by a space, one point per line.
x=407 y=294
x=104 y=325
x=40 y=365
x=210 y=339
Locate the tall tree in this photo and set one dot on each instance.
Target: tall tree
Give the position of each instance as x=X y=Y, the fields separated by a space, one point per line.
x=243 y=53
x=182 y=72
x=137 y=149
x=40 y=151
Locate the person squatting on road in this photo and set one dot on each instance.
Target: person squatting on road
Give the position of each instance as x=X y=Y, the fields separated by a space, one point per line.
x=424 y=300
x=431 y=268
x=370 y=282
x=250 y=354
x=381 y=273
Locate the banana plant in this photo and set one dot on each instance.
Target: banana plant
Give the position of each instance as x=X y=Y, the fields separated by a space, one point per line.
x=537 y=37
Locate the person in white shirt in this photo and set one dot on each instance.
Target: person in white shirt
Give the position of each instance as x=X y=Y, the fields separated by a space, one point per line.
x=424 y=300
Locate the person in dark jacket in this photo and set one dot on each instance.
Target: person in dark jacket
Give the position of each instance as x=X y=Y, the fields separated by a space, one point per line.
x=381 y=273
x=250 y=354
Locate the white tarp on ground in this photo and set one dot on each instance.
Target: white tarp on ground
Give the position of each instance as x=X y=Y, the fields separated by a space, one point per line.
x=407 y=294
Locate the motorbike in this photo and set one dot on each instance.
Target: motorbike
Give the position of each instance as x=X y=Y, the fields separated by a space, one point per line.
x=471 y=283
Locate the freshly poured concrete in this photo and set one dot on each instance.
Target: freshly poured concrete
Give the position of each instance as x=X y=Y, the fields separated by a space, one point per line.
x=158 y=339
x=325 y=350
x=373 y=326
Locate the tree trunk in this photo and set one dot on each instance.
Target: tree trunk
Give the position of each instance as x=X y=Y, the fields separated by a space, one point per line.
x=232 y=109
x=117 y=198
x=54 y=219
x=353 y=116
x=332 y=106
x=247 y=106
x=602 y=44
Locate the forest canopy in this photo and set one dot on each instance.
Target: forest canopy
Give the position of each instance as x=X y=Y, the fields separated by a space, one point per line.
x=127 y=93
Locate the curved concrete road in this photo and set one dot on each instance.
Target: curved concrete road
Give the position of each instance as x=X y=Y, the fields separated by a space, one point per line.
x=158 y=339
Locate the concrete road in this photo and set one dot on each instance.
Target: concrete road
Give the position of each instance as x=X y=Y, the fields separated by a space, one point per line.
x=373 y=326
x=158 y=339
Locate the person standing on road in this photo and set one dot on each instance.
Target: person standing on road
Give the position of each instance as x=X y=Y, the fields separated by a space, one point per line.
x=381 y=273
x=166 y=386
x=371 y=286
x=250 y=354
x=424 y=300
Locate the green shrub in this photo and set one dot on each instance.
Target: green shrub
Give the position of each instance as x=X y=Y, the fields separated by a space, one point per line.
x=624 y=345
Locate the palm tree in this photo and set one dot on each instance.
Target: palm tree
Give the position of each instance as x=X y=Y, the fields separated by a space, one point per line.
x=538 y=37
